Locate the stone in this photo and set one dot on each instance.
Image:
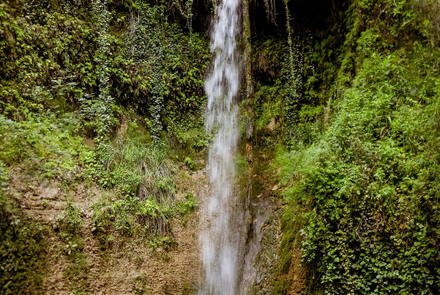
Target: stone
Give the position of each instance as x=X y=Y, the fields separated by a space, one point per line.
x=197 y=176
x=272 y=124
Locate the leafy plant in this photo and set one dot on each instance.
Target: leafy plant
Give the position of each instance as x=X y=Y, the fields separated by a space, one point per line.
x=190 y=163
x=71 y=220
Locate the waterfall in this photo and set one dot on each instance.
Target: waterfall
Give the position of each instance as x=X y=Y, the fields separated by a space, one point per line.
x=221 y=86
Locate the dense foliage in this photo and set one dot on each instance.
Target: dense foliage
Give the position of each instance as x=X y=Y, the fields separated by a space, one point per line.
x=53 y=58
x=366 y=189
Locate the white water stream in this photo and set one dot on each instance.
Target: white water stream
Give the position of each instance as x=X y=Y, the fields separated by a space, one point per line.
x=221 y=86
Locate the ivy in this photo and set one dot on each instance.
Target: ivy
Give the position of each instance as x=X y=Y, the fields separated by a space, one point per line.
x=103 y=72
x=172 y=64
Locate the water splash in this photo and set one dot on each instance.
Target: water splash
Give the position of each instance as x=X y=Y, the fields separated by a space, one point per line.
x=221 y=86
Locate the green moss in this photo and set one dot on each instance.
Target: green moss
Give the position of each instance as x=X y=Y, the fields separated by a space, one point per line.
x=76 y=273
x=280 y=287
x=286 y=259
x=187 y=290
x=292 y=238
x=140 y=285
x=23 y=252
x=288 y=239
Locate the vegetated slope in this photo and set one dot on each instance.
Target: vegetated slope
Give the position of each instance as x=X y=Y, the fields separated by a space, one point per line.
x=100 y=117
x=363 y=175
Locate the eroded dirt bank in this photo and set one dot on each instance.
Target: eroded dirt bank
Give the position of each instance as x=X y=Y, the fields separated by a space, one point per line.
x=111 y=263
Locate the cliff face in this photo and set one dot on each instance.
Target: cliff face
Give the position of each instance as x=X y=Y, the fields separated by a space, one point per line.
x=103 y=151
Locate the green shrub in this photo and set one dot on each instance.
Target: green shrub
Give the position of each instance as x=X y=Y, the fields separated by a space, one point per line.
x=71 y=220
x=188 y=205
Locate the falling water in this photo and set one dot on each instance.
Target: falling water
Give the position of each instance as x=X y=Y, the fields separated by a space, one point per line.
x=221 y=86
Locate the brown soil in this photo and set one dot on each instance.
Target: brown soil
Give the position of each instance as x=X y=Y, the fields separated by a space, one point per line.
x=297 y=274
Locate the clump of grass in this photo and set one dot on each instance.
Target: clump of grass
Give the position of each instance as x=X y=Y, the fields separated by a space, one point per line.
x=143 y=171
x=145 y=202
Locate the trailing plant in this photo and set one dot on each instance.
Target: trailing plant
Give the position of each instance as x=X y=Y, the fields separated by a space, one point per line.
x=167 y=67
x=186 y=12
x=99 y=109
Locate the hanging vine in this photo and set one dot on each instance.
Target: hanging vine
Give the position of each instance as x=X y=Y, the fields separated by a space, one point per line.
x=271 y=10
x=291 y=97
x=147 y=47
x=99 y=108
x=186 y=12
x=299 y=47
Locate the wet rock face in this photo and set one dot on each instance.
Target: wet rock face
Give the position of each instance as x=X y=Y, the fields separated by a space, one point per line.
x=262 y=247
